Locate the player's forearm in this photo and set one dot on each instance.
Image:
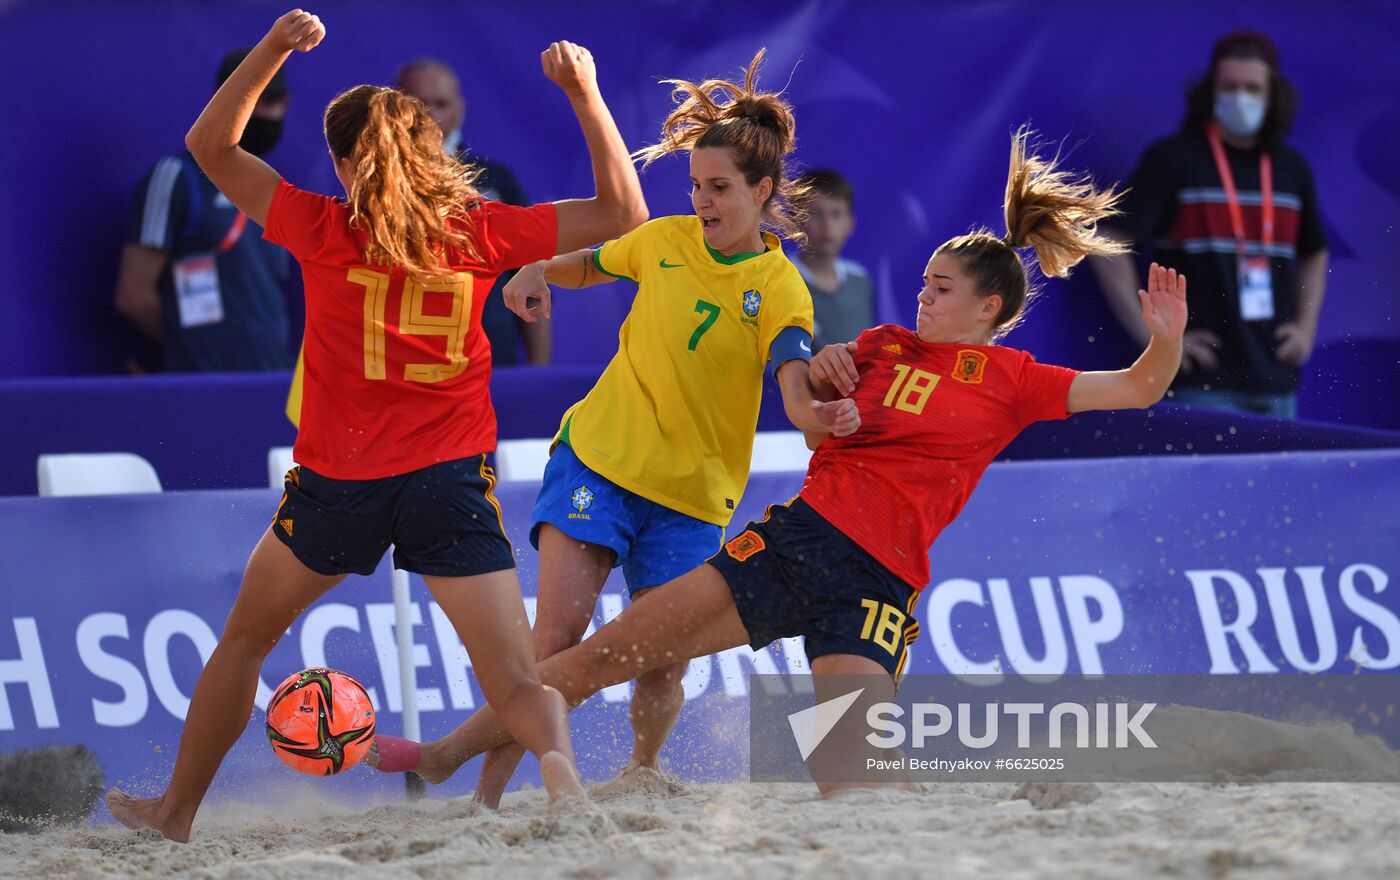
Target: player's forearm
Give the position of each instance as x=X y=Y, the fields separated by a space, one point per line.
x=1155 y=368
x=794 y=380
x=573 y=270
x=619 y=191
x=1118 y=277
x=1312 y=285
x=219 y=128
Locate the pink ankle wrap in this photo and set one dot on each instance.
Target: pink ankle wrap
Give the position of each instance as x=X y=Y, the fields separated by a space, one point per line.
x=396 y=754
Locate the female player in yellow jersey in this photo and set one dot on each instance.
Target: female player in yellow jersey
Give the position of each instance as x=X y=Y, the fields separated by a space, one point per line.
x=648 y=467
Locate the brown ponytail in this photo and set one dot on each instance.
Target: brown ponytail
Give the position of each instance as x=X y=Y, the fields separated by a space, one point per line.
x=758 y=128
x=1046 y=209
x=406 y=192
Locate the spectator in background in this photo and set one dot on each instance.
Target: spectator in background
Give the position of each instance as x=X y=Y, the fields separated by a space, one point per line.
x=843 y=299
x=1227 y=203
x=195 y=275
x=437 y=85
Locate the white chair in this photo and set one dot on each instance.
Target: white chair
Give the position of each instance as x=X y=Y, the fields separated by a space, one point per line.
x=101 y=473
x=779 y=452
x=279 y=461
x=522 y=460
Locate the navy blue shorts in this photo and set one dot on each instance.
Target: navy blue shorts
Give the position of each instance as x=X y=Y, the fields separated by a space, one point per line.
x=443 y=520
x=795 y=574
x=653 y=543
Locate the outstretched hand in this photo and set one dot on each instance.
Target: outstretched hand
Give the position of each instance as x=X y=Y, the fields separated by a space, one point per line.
x=297 y=31
x=570 y=67
x=1164 y=303
x=839 y=418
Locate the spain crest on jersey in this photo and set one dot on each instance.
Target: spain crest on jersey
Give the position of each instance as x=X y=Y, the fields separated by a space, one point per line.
x=746 y=545
x=970 y=366
x=753 y=301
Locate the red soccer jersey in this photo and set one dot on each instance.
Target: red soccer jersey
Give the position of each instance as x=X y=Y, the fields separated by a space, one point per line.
x=397 y=371
x=932 y=418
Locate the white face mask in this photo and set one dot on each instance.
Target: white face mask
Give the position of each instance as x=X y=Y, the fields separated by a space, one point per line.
x=1239 y=113
x=453 y=142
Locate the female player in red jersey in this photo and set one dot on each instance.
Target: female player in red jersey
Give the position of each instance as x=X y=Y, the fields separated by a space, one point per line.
x=396 y=414
x=843 y=563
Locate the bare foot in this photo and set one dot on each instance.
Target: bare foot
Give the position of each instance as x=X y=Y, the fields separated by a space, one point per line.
x=560 y=779
x=638 y=779
x=137 y=813
x=491 y=800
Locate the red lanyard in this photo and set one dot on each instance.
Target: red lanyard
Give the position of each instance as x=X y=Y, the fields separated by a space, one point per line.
x=235 y=232
x=1232 y=198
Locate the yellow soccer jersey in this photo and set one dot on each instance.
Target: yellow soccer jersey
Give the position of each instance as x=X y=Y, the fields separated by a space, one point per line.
x=672 y=418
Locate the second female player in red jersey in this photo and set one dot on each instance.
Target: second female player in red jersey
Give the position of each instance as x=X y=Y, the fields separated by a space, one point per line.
x=843 y=563
x=396 y=415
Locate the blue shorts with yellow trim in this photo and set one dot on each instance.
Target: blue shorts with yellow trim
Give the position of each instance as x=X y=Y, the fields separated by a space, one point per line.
x=653 y=543
x=795 y=574
x=443 y=520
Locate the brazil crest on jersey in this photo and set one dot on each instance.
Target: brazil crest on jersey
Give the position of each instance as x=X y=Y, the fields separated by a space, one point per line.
x=672 y=418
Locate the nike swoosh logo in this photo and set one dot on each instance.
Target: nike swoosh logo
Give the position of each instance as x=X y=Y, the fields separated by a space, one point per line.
x=666 y=265
x=804 y=346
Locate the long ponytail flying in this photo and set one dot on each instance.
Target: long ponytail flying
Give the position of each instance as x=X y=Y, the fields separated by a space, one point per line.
x=1046 y=209
x=405 y=192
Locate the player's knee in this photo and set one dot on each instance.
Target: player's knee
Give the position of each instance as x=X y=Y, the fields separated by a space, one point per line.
x=549 y=642
x=247 y=641
x=662 y=685
x=515 y=690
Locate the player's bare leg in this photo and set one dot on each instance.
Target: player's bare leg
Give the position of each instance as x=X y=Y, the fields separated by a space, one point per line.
x=572 y=574
x=489 y=616
x=692 y=616
x=276 y=589
x=656 y=705
x=657 y=701
x=831 y=679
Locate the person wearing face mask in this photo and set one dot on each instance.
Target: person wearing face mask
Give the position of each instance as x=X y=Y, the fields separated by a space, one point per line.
x=436 y=84
x=196 y=276
x=1227 y=202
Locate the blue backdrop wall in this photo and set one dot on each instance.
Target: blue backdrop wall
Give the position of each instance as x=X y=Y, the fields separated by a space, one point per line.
x=914 y=101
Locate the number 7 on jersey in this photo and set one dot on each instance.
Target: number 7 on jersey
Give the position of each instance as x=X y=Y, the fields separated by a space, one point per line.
x=711 y=313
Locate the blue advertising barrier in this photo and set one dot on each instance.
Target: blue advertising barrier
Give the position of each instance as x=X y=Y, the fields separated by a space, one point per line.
x=1226 y=564
x=213 y=431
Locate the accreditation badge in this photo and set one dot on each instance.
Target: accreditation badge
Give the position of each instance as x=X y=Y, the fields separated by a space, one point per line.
x=197 y=291
x=1256 y=289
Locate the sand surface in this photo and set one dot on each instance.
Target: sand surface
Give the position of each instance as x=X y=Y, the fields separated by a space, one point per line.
x=1247 y=821
x=1264 y=830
